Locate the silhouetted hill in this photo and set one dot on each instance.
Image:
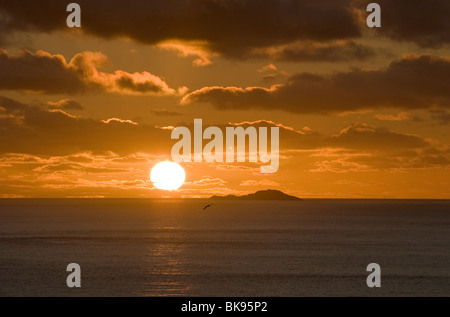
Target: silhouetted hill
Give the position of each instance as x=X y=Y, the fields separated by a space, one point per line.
x=269 y=194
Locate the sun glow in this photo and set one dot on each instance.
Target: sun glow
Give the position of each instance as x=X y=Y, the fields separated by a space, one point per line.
x=167 y=175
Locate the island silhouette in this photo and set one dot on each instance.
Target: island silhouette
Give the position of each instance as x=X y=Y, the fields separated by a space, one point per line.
x=268 y=194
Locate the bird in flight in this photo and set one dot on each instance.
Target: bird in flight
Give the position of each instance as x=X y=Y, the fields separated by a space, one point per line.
x=206 y=207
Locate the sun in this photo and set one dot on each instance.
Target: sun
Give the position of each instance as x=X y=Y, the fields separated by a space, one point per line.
x=167 y=175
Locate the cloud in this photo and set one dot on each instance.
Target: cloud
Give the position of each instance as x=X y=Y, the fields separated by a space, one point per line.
x=376 y=162
x=401 y=116
x=65 y=104
x=265 y=123
x=38 y=71
x=117 y=120
x=441 y=116
x=63 y=113
x=364 y=136
x=343 y=164
x=358 y=138
x=168 y=128
x=425 y=23
x=257 y=183
x=39 y=131
x=65 y=167
x=270 y=67
x=359 y=147
x=202 y=55
x=305 y=50
x=52 y=154
x=283 y=29
x=206 y=182
x=47 y=73
x=230 y=28
x=35 y=130
x=80 y=174
x=343 y=50
x=412 y=82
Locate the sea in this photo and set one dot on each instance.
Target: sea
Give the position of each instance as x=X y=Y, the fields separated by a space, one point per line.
x=144 y=247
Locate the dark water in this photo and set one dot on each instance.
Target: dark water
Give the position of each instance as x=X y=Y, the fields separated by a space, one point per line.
x=170 y=248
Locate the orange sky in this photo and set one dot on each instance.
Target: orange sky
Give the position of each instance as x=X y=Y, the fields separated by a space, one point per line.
x=363 y=113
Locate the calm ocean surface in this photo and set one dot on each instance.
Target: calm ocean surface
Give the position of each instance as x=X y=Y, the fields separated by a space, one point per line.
x=137 y=247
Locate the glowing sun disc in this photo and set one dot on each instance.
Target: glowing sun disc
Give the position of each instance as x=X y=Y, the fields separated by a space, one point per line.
x=167 y=175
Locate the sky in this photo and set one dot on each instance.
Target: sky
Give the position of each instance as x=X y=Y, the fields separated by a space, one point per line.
x=362 y=112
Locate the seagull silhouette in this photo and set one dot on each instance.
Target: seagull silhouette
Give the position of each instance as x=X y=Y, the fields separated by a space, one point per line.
x=206 y=207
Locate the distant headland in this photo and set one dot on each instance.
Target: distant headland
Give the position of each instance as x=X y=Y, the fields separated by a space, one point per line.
x=269 y=194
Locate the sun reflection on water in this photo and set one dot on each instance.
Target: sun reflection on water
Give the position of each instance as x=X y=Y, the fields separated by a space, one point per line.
x=166 y=264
